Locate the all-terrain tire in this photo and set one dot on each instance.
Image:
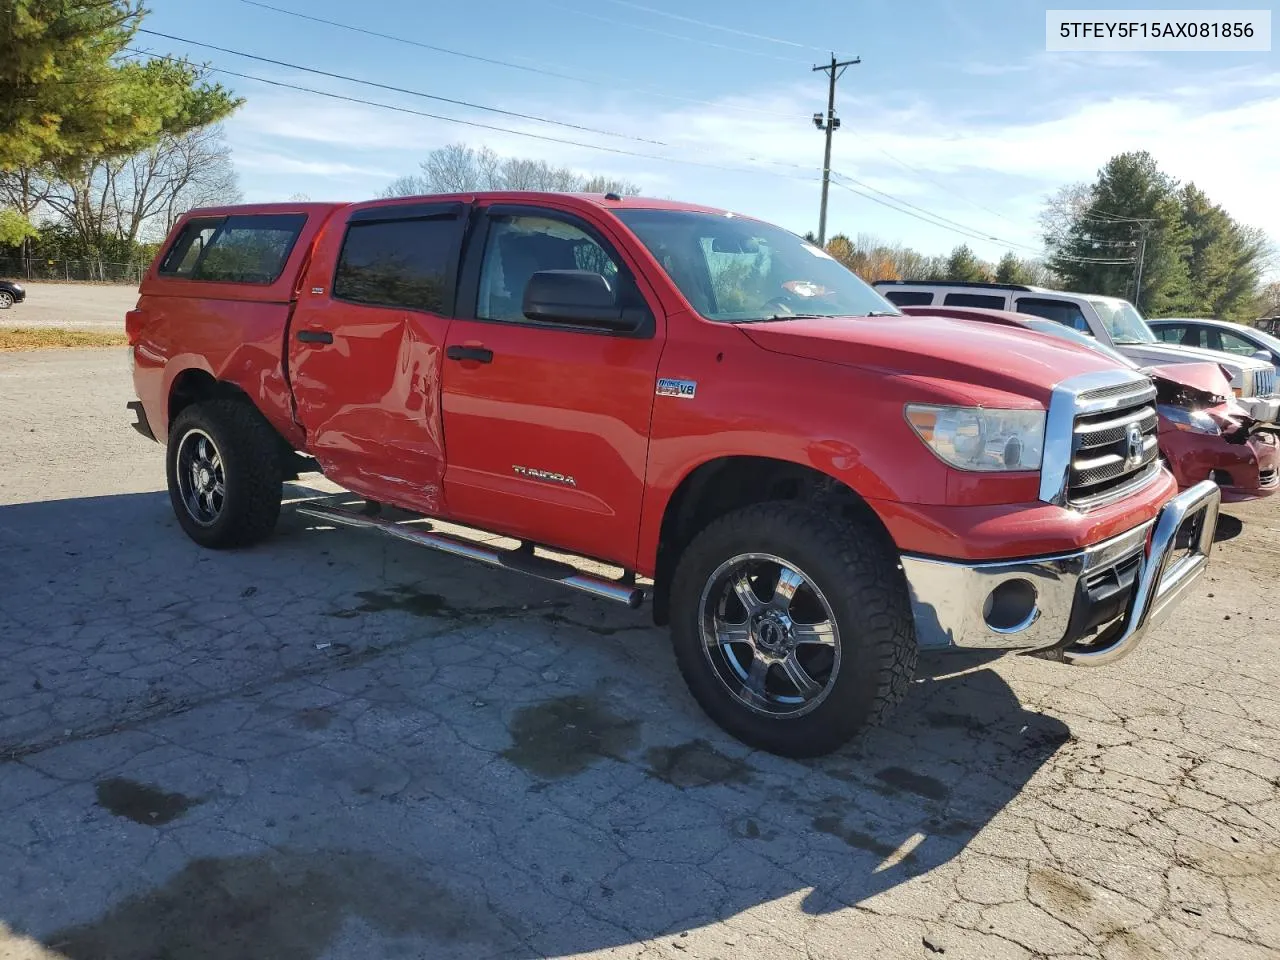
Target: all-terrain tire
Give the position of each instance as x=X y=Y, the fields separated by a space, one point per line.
x=248 y=465
x=857 y=572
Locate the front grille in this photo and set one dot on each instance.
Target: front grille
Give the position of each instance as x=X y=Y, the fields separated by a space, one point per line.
x=1264 y=382
x=1269 y=477
x=1114 y=443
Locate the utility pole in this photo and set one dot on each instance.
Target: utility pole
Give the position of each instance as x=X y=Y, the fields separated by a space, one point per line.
x=1142 y=255
x=834 y=71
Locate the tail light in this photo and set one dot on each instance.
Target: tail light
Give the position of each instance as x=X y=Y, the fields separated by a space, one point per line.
x=133 y=325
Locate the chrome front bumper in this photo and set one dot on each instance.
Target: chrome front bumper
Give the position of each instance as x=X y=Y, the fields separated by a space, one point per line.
x=953 y=607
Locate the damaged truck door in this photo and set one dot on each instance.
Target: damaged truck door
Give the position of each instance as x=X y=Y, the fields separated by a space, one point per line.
x=366 y=357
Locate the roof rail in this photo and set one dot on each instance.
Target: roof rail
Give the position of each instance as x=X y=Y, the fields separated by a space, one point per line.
x=958 y=283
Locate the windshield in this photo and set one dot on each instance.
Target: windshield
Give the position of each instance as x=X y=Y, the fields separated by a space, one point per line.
x=1123 y=323
x=739 y=270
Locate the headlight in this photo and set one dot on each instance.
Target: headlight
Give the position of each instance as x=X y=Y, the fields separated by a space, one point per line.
x=1190 y=421
x=974 y=438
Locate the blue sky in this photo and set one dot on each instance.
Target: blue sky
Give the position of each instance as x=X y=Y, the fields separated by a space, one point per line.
x=956 y=107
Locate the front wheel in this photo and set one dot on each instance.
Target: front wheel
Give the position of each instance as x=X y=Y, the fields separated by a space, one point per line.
x=6 y=299
x=792 y=630
x=224 y=472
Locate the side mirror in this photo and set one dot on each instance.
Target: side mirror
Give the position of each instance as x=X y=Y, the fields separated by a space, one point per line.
x=577 y=297
x=1263 y=355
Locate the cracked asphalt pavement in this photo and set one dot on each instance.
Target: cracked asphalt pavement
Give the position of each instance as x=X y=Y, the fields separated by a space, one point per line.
x=336 y=745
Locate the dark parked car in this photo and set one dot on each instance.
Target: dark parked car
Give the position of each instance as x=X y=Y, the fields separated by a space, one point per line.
x=11 y=293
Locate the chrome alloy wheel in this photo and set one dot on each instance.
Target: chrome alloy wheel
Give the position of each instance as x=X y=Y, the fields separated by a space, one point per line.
x=770 y=635
x=200 y=477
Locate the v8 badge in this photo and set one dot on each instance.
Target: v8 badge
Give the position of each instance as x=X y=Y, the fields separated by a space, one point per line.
x=685 y=389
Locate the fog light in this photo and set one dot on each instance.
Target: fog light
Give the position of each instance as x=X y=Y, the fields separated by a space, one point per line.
x=1010 y=607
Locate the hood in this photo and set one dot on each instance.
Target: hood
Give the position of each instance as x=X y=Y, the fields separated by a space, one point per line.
x=1010 y=360
x=1176 y=353
x=1204 y=381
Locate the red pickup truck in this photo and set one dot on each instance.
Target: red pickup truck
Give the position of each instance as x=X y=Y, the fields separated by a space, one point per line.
x=809 y=485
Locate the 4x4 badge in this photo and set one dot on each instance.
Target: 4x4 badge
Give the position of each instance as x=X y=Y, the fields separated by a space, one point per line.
x=685 y=389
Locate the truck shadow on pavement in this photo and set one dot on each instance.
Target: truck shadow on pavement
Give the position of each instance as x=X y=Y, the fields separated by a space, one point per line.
x=337 y=745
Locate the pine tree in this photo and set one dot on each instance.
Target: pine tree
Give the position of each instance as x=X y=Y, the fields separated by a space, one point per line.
x=67 y=97
x=1106 y=223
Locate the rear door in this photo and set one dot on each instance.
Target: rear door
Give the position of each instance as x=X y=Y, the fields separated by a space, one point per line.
x=366 y=348
x=547 y=426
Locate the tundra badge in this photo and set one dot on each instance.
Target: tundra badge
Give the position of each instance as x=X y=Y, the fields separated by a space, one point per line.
x=685 y=389
x=533 y=474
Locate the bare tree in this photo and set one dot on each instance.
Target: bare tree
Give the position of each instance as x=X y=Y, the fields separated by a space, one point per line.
x=458 y=168
x=138 y=198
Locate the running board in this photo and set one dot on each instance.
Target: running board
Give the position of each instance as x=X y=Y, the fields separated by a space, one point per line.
x=519 y=560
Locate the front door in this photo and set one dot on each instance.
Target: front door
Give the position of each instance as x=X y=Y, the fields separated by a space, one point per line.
x=547 y=426
x=366 y=349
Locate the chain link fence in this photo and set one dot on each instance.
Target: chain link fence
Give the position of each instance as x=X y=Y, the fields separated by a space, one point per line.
x=87 y=271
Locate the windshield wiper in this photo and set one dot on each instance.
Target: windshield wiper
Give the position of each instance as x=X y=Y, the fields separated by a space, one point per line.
x=785 y=316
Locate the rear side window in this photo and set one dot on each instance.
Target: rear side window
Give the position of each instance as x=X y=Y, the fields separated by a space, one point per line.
x=1059 y=311
x=399 y=263
x=974 y=300
x=1170 y=334
x=908 y=298
x=250 y=248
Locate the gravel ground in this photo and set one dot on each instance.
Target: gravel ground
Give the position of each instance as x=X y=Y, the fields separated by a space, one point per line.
x=77 y=306
x=339 y=746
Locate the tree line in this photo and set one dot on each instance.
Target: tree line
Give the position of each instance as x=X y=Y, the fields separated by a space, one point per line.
x=1136 y=232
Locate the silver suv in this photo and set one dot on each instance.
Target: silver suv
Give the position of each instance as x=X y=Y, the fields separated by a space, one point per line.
x=1109 y=320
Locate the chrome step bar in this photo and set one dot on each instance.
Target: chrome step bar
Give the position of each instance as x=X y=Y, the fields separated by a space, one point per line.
x=518 y=560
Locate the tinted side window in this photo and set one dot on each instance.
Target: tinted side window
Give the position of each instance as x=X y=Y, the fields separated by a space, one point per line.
x=518 y=247
x=181 y=259
x=249 y=249
x=399 y=263
x=1192 y=337
x=974 y=300
x=1059 y=311
x=1170 y=334
x=908 y=298
x=1233 y=343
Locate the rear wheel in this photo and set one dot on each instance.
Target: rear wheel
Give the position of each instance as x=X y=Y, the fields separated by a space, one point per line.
x=225 y=473
x=792 y=631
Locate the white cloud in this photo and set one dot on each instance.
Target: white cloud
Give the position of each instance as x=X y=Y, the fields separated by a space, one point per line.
x=279 y=163
x=1221 y=134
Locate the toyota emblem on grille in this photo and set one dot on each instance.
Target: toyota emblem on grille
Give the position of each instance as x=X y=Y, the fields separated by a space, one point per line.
x=1133 y=444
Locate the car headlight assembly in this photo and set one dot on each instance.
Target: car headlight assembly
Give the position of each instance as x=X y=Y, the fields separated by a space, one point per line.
x=1190 y=421
x=976 y=438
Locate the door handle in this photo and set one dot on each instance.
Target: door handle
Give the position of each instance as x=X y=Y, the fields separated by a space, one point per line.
x=315 y=336
x=479 y=354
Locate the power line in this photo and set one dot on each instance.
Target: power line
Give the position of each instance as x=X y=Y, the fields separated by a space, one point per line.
x=942 y=221
x=404 y=90
x=673 y=36
x=713 y=26
x=534 y=67
x=941 y=186
x=939 y=221
x=475 y=124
